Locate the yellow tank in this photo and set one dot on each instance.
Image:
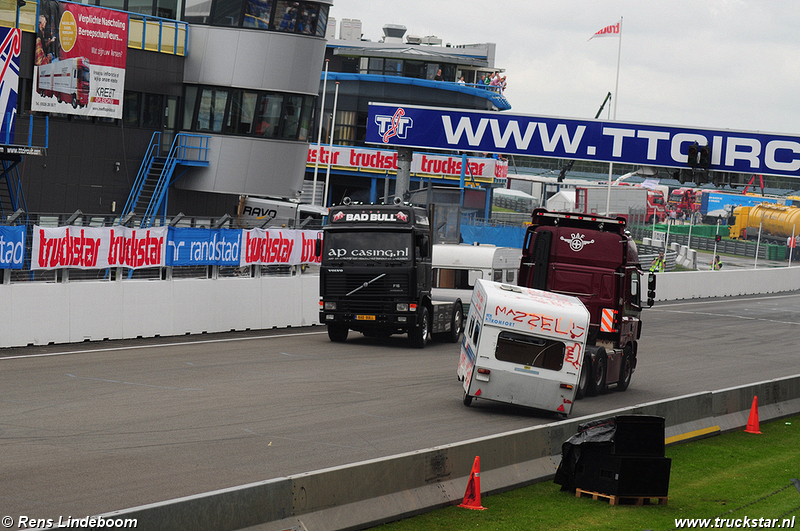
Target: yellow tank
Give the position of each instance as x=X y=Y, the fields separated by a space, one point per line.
x=775 y=220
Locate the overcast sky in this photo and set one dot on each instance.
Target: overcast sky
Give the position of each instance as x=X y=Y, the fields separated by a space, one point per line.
x=716 y=64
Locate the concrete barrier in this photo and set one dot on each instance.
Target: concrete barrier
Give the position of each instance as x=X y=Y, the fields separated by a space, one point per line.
x=372 y=492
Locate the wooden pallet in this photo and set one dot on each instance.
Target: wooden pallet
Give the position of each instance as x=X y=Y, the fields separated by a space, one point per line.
x=622 y=500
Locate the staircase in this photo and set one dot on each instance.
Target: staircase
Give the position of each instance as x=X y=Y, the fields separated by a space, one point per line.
x=148 y=198
x=11 y=196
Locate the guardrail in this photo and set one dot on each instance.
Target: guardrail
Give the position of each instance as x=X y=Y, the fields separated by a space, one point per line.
x=373 y=492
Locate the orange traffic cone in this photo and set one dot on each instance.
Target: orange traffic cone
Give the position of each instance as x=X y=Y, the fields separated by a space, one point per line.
x=752 y=422
x=472 y=497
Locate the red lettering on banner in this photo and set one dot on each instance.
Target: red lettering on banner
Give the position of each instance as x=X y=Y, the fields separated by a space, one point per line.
x=134 y=252
x=324 y=155
x=267 y=249
x=308 y=254
x=68 y=251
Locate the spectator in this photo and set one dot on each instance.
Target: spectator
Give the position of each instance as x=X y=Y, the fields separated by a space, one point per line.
x=716 y=265
x=438 y=76
x=461 y=81
x=658 y=264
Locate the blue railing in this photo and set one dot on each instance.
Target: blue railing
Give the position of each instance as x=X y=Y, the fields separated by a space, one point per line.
x=145 y=32
x=187 y=149
x=141 y=177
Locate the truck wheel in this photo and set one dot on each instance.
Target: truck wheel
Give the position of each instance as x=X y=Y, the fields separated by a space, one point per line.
x=418 y=336
x=456 y=324
x=74 y=101
x=597 y=383
x=625 y=372
x=583 y=379
x=337 y=333
x=467 y=399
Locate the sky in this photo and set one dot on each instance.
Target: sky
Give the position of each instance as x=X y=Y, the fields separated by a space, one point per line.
x=715 y=64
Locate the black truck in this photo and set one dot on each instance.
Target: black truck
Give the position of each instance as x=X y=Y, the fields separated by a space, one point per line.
x=375 y=275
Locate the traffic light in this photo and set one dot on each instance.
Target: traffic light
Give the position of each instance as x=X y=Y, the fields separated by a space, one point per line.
x=693 y=155
x=704 y=158
x=717 y=238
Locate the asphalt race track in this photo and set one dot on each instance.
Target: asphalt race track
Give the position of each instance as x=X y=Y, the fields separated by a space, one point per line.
x=96 y=427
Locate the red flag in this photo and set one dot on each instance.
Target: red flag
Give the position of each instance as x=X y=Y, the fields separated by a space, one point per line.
x=608 y=31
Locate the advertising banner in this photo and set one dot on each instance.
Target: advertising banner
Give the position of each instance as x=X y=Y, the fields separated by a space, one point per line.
x=481 y=169
x=10 y=45
x=12 y=247
x=80 y=60
x=103 y=247
x=98 y=247
x=595 y=140
x=189 y=247
x=279 y=246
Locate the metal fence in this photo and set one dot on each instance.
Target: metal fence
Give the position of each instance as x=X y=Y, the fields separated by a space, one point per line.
x=148 y=273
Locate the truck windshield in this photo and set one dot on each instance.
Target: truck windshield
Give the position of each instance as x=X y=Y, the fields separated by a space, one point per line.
x=364 y=247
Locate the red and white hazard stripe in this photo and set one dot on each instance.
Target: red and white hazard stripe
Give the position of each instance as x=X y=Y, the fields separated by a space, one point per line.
x=607 y=320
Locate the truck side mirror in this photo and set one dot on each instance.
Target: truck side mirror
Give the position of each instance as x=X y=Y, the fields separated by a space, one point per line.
x=651 y=289
x=318 y=247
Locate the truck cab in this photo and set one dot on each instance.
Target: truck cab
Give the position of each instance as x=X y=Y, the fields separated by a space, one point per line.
x=594 y=259
x=375 y=275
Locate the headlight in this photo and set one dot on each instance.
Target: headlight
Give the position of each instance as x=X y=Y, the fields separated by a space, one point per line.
x=402 y=306
x=330 y=306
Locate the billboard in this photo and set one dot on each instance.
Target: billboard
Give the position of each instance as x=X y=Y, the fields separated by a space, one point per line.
x=594 y=140
x=80 y=60
x=10 y=39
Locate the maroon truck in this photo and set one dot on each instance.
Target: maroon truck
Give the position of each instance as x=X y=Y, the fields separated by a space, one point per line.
x=595 y=259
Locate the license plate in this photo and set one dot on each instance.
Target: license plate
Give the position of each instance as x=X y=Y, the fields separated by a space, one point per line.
x=365 y=317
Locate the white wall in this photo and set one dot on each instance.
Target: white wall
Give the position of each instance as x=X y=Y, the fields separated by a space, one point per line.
x=40 y=313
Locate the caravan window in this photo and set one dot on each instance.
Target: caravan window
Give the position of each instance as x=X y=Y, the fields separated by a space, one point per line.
x=529 y=350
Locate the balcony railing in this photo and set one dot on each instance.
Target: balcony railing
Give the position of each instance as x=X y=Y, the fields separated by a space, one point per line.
x=145 y=32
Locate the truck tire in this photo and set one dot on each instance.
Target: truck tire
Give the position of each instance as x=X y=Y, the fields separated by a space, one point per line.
x=456 y=324
x=583 y=378
x=337 y=333
x=597 y=379
x=418 y=336
x=625 y=371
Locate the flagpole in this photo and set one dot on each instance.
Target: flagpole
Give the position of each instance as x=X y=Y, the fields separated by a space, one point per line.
x=319 y=135
x=616 y=94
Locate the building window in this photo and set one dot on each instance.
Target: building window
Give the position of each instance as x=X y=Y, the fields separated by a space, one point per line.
x=269 y=115
x=131 y=104
x=307 y=20
x=286 y=15
x=197 y=11
x=152 y=110
x=375 y=66
x=393 y=67
x=291 y=116
x=257 y=14
x=306 y=117
x=227 y=13
x=243 y=109
x=414 y=69
x=190 y=98
x=248 y=113
x=211 y=111
x=345 y=132
x=322 y=21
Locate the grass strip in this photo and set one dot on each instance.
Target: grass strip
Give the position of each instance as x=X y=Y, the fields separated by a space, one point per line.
x=738 y=477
